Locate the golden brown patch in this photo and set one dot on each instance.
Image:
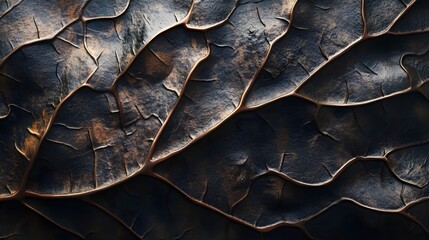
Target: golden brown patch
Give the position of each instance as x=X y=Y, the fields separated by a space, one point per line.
x=32 y=138
x=99 y=133
x=194 y=43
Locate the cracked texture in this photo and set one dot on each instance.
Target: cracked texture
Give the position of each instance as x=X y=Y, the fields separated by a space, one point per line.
x=213 y=119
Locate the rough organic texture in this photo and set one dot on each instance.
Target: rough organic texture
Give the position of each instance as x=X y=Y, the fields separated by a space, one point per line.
x=212 y=119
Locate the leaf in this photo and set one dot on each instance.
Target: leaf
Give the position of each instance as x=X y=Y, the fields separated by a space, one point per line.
x=244 y=119
x=25 y=22
x=308 y=45
x=110 y=135
x=217 y=87
x=54 y=69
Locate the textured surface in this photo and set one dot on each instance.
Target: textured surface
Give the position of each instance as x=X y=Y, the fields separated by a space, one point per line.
x=212 y=119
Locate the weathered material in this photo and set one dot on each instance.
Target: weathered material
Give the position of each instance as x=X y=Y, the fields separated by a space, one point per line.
x=213 y=119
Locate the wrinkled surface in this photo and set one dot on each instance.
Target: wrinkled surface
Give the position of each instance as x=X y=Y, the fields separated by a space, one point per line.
x=110 y=135
x=204 y=119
